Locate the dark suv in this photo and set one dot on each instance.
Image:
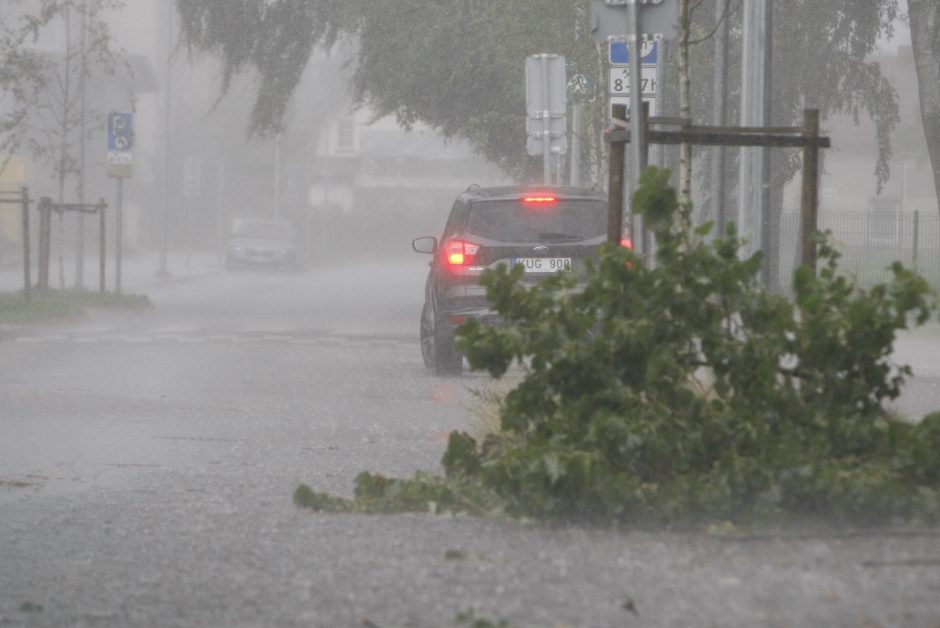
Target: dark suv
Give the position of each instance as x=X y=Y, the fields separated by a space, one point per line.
x=545 y=229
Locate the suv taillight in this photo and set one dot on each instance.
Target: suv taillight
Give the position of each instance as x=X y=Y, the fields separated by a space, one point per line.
x=459 y=253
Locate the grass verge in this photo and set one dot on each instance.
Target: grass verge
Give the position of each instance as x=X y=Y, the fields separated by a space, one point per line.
x=48 y=306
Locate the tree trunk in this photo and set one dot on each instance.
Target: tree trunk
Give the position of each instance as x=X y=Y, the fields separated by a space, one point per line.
x=925 y=40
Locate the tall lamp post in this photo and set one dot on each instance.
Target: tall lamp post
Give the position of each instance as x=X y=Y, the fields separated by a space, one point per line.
x=164 y=218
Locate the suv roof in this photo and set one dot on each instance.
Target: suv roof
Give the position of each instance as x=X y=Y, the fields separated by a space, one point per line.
x=513 y=192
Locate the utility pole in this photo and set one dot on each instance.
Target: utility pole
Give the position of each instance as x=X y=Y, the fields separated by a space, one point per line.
x=720 y=113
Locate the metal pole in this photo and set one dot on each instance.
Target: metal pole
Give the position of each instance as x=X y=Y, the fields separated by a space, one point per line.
x=102 y=245
x=80 y=245
x=576 y=144
x=64 y=149
x=222 y=223
x=752 y=66
x=769 y=240
x=637 y=140
x=277 y=176
x=118 y=234
x=27 y=279
x=575 y=175
x=164 y=230
x=809 y=202
x=637 y=135
x=546 y=124
x=720 y=113
x=615 y=184
x=188 y=222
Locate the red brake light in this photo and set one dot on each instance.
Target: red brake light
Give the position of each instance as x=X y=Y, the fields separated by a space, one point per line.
x=460 y=253
x=541 y=199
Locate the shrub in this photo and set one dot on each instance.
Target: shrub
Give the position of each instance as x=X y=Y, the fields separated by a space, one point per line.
x=683 y=390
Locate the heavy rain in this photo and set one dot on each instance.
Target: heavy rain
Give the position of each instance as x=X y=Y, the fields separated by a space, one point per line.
x=343 y=313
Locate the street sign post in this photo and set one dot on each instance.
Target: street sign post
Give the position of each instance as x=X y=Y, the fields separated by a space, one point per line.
x=546 y=107
x=618 y=85
x=610 y=20
x=634 y=21
x=120 y=159
x=120 y=166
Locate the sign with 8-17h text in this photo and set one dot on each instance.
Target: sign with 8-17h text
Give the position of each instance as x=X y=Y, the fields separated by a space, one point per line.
x=620 y=81
x=120 y=144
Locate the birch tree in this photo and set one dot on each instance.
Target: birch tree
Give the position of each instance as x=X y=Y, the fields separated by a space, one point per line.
x=48 y=120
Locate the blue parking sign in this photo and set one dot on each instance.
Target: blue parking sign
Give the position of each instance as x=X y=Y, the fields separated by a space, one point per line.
x=120 y=131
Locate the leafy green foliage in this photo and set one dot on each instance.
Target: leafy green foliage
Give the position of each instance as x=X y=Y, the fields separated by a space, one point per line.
x=305 y=497
x=426 y=493
x=455 y=554
x=684 y=390
x=470 y=619
x=21 y=79
x=275 y=38
x=457 y=65
x=31 y=607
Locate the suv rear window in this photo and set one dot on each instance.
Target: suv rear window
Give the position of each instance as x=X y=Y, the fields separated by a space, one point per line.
x=264 y=230
x=562 y=221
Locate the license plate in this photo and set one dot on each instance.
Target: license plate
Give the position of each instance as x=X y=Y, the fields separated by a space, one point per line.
x=543 y=264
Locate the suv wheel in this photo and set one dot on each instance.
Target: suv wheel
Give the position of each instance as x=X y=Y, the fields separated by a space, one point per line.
x=437 y=346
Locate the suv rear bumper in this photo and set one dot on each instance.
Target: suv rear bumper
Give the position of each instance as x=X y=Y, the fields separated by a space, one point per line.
x=455 y=318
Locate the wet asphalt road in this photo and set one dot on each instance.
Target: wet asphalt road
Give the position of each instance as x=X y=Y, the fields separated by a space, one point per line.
x=147 y=464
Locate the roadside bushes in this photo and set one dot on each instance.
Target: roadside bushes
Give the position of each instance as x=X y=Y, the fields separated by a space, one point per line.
x=684 y=390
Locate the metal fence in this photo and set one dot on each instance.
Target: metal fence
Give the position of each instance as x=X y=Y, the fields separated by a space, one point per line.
x=870 y=241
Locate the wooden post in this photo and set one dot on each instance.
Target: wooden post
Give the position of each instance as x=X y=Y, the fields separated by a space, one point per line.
x=806 y=137
x=809 y=205
x=101 y=245
x=27 y=262
x=45 y=226
x=615 y=184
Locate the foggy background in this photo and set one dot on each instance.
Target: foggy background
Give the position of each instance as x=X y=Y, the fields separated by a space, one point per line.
x=358 y=187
